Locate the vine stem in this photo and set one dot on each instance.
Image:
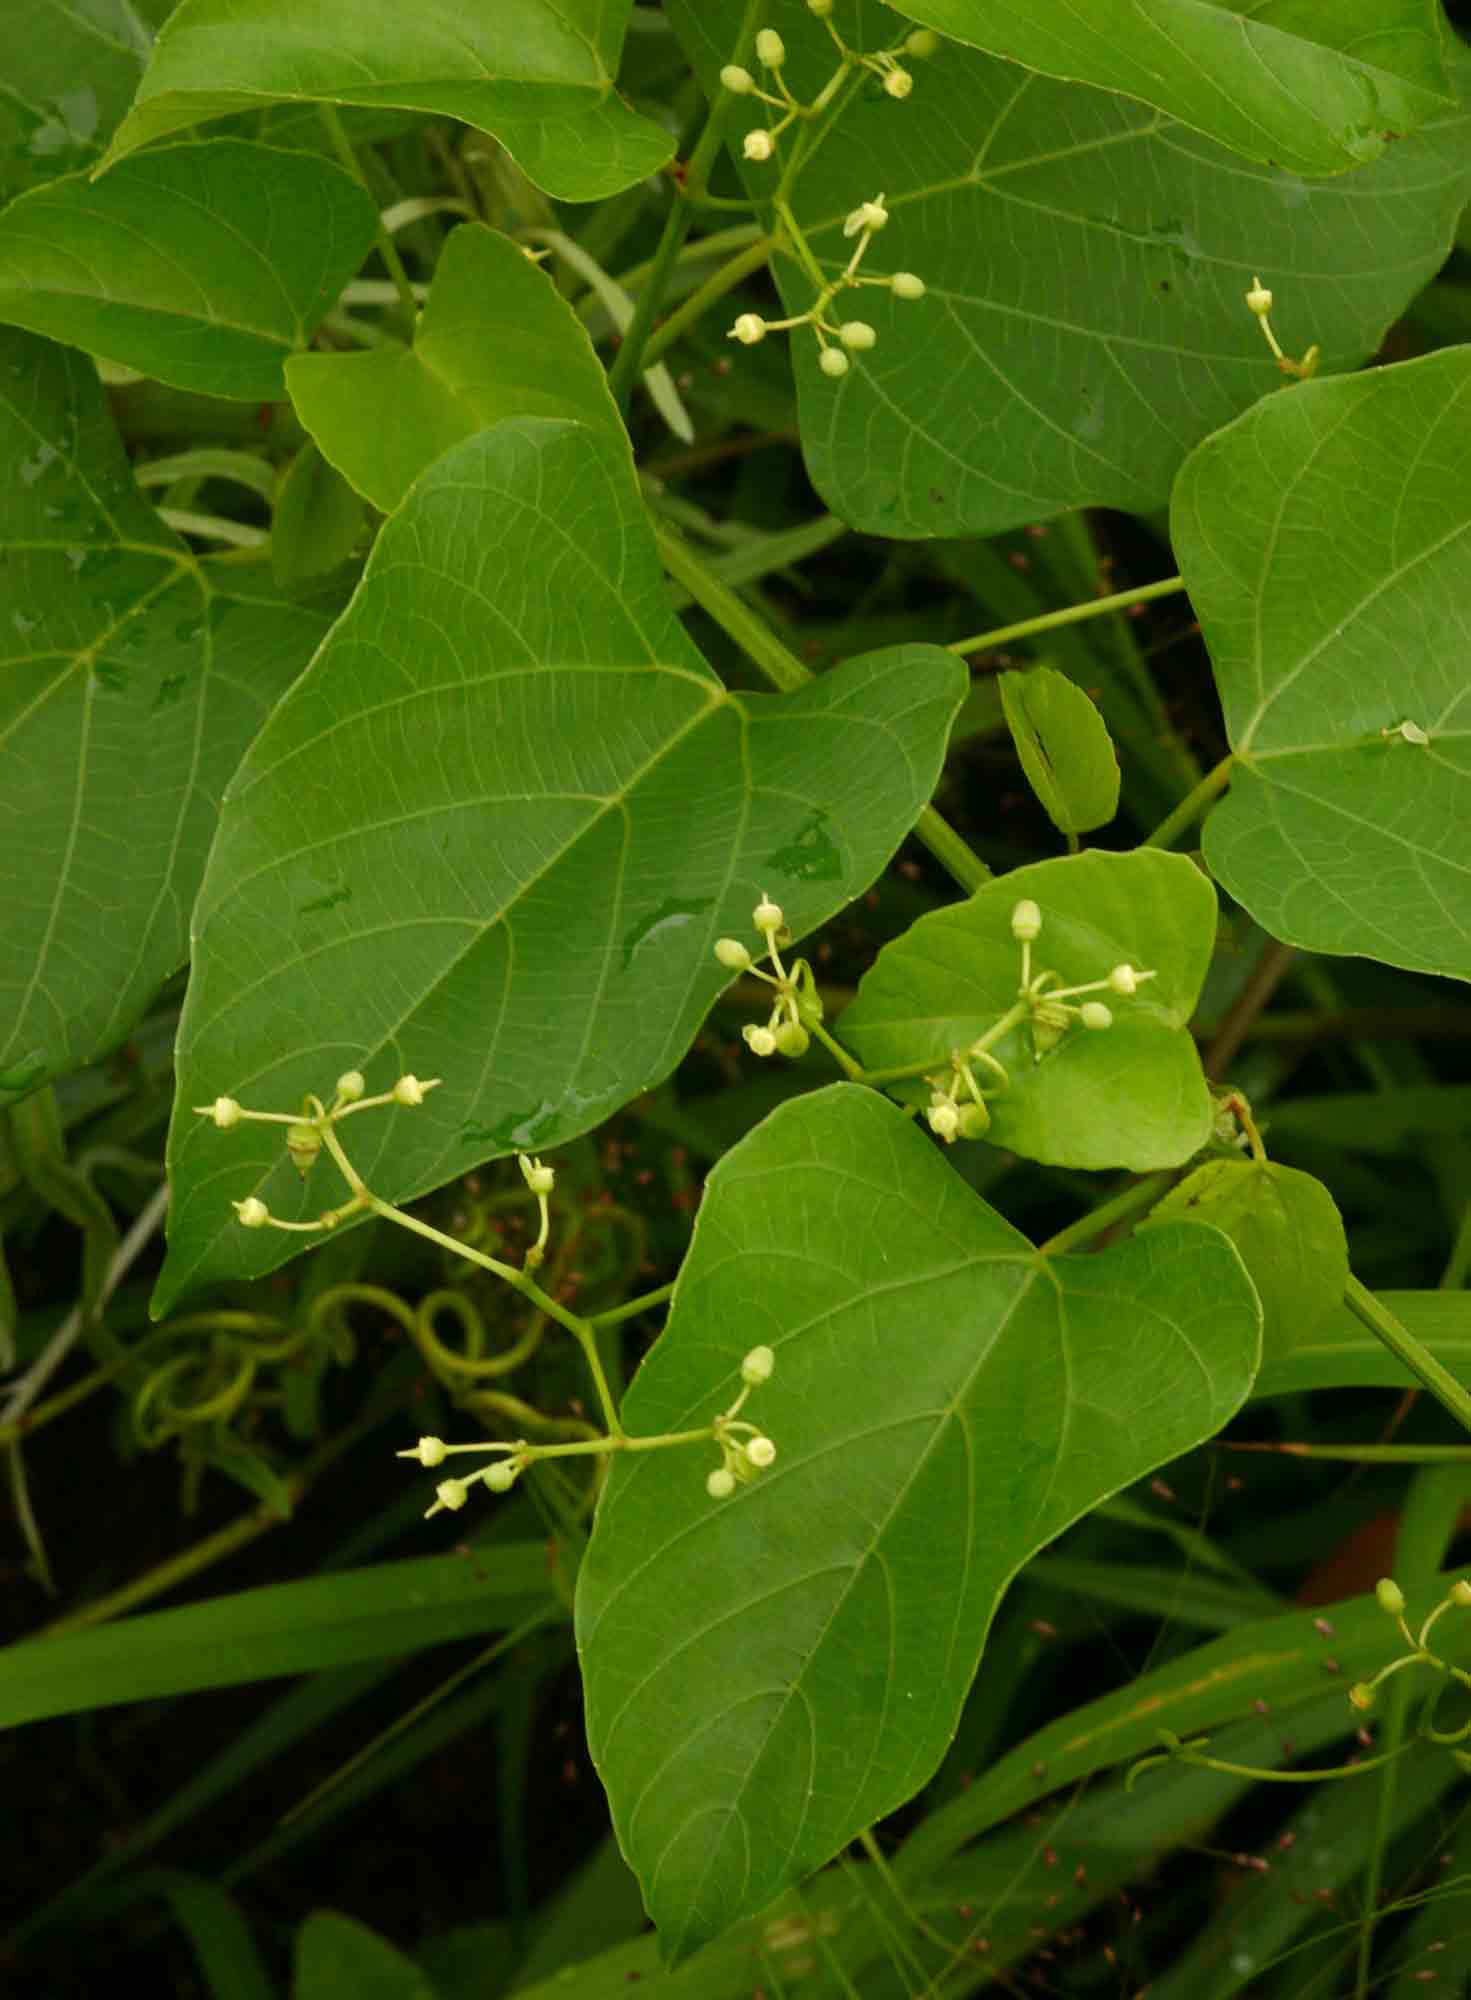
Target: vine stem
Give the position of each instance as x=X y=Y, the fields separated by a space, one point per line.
x=387 y=248
x=1071 y=614
x=629 y=362
x=520 y=1281
x=1192 y=805
x=1201 y=1763
x=786 y=672
x=1362 y=1454
x=631 y=1308
x=1143 y=1194
x=22 y=1393
x=1415 y=1356
x=715 y=287
x=238 y=1534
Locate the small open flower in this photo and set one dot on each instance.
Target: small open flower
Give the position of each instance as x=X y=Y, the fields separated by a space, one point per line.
x=748 y=329
x=898 y=83
x=867 y=215
x=224 y=1112
x=758 y=144
x=252 y=1212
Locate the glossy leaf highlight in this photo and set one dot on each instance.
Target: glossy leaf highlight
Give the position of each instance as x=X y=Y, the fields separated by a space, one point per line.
x=202 y=266
x=536 y=74
x=1315 y=86
x=1325 y=539
x=768 y=1675
x=493 y=834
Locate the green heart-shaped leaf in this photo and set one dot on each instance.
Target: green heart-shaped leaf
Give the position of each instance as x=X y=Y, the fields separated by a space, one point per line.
x=69 y=76
x=1288 y=1233
x=133 y=678
x=1325 y=538
x=495 y=340
x=1131 y=1095
x=1316 y=86
x=1064 y=747
x=203 y=266
x=768 y=1675
x=1086 y=262
x=536 y=74
x=494 y=831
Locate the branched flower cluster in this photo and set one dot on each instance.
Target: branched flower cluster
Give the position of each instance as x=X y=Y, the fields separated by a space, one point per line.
x=745 y=1451
x=760 y=142
x=797 y=1007
x=958 y=1108
x=853 y=336
x=1392 y=1603
x=837 y=339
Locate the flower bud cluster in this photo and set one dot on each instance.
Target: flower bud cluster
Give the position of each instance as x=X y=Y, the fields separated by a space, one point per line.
x=797 y=1006
x=1391 y=1601
x=760 y=141
x=837 y=340
x=450 y=1495
x=307 y=1133
x=745 y=1452
x=958 y=1106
